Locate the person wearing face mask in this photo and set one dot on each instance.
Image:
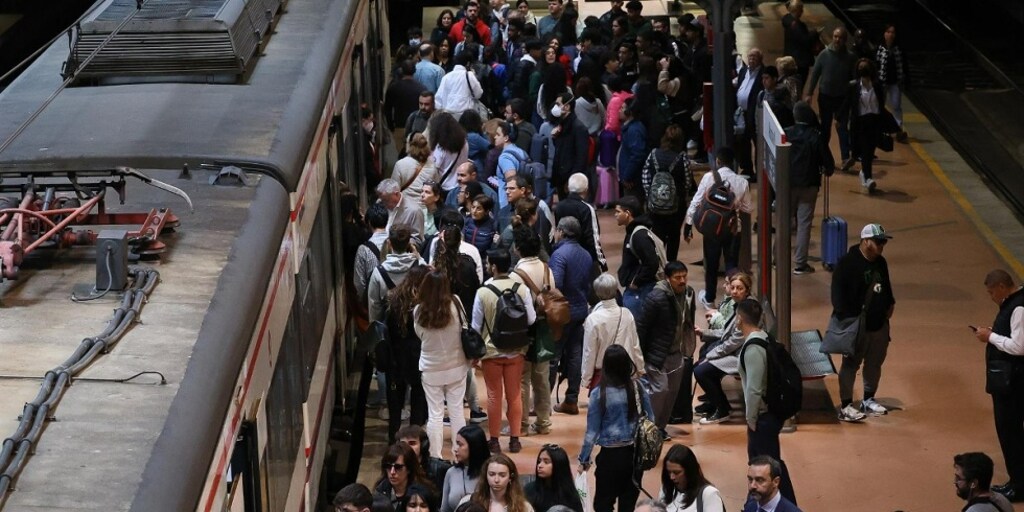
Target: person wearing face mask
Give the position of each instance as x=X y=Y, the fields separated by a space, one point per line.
x=572 y=142
x=865 y=102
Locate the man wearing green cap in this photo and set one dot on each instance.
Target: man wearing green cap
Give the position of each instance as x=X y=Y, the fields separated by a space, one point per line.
x=861 y=282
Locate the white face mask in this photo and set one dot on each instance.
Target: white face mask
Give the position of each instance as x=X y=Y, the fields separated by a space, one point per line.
x=556 y=110
x=414 y=42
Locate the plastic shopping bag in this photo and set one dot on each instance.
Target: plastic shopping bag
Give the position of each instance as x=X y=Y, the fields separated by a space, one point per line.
x=583 y=488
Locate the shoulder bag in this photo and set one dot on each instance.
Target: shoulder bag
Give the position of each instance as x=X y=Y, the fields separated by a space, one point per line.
x=472 y=343
x=844 y=334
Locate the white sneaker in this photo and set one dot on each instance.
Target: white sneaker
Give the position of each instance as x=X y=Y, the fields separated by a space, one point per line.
x=702 y=297
x=383 y=413
x=851 y=414
x=873 y=408
x=405 y=414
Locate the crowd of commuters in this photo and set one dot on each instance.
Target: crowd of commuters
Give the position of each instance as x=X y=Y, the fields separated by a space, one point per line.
x=508 y=128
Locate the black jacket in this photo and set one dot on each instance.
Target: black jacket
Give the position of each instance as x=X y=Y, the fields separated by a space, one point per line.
x=850 y=280
x=571 y=147
x=809 y=156
x=640 y=260
x=574 y=206
x=656 y=326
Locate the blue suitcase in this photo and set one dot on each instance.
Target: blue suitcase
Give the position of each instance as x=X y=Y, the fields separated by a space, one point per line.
x=833 y=237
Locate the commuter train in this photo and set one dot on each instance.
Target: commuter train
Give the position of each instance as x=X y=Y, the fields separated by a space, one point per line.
x=252 y=108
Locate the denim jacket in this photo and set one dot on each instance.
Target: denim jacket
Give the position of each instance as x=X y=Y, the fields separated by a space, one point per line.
x=611 y=427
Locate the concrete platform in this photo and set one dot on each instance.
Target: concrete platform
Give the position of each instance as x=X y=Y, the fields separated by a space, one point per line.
x=949 y=231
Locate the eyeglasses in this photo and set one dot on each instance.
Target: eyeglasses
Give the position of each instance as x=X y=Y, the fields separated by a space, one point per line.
x=388 y=466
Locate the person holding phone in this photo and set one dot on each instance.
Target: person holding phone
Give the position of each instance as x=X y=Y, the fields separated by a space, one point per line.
x=1004 y=363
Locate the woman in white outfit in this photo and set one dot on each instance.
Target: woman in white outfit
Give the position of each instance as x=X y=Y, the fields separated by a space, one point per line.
x=608 y=324
x=442 y=361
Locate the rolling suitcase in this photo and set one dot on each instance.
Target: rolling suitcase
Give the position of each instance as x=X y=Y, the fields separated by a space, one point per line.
x=833 y=236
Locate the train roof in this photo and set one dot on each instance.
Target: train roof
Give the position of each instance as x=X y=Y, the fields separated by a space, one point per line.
x=267 y=120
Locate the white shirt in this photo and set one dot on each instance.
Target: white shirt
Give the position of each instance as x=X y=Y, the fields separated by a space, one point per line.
x=710 y=495
x=743 y=92
x=740 y=188
x=458 y=91
x=1014 y=344
x=868 y=100
x=607 y=325
x=772 y=503
x=464 y=248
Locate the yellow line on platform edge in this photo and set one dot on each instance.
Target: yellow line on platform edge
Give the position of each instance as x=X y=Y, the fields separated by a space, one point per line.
x=968 y=209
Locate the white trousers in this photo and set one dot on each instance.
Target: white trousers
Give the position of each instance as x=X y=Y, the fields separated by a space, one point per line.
x=436 y=397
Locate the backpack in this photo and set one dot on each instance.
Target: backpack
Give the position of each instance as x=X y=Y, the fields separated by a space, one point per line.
x=541 y=155
x=647 y=438
x=785 y=391
x=715 y=215
x=663 y=198
x=511 y=327
x=550 y=301
x=659 y=248
x=380 y=335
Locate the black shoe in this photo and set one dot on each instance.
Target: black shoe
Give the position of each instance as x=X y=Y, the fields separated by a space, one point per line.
x=1002 y=488
x=803 y=269
x=718 y=417
x=704 y=409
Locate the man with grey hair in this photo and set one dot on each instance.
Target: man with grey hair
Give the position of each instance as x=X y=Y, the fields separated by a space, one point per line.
x=575 y=205
x=608 y=324
x=650 y=505
x=570 y=264
x=400 y=211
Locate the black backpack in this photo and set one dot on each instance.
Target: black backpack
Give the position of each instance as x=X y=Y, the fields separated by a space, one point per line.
x=785 y=392
x=716 y=213
x=380 y=333
x=511 y=327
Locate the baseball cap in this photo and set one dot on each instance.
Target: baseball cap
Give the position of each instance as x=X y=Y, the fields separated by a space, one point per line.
x=875 y=231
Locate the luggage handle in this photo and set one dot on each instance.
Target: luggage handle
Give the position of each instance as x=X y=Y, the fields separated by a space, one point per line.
x=827 y=178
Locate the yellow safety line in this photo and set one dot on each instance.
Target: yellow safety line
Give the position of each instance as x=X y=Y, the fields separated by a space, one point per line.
x=969 y=210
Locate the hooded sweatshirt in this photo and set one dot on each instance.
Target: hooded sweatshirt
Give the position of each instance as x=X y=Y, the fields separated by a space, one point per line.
x=591 y=114
x=397 y=266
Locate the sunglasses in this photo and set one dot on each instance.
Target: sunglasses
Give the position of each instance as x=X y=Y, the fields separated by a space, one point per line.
x=388 y=466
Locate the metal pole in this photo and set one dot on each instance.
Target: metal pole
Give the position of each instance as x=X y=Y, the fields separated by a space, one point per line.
x=721 y=71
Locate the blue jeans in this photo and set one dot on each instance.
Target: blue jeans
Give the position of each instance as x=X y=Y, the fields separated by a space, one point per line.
x=633 y=299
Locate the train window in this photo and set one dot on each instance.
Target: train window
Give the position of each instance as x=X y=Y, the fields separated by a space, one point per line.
x=284 y=418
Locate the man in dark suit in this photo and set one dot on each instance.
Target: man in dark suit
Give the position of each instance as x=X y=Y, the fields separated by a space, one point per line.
x=748 y=86
x=763 y=476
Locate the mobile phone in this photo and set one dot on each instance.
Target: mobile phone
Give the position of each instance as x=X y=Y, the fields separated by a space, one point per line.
x=973 y=328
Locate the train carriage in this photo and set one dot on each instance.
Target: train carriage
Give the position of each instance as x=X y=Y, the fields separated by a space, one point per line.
x=248 y=323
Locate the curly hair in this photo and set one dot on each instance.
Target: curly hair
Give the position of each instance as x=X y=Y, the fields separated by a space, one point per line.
x=446 y=132
x=435 y=301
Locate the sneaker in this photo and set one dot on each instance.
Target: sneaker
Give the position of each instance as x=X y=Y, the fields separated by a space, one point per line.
x=848 y=164
x=704 y=409
x=536 y=430
x=383 y=414
x=446 y=421
x=873 y=408
x=803 y=269
x=901 y=136
x=851 y=414
x=702 y=297
x=716 y=418
x=405 y=414
x=514 y=446
x=870 y=185
x=477 y=416
x=494 y=446
x=664 y=436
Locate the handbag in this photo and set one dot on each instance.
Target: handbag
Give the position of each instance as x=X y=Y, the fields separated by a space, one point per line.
x=885 y=142
x=999 y=377
x=478 y=105
x=647 y=438
x=843 y=335
x=472 y=342
x=542 y=349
